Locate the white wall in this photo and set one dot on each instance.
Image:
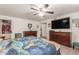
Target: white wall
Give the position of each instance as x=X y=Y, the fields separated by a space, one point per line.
x=19 y=25
x=0 y=27
x=73 y=29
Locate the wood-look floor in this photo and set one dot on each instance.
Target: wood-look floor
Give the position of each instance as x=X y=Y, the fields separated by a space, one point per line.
x=69 y=51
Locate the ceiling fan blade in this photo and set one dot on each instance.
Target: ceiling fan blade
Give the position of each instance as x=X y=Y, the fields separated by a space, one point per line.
x=35 y=14
x=34 y=9
x=51 y=12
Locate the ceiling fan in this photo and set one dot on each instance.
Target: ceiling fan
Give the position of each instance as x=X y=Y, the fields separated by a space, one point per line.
x=42 y=10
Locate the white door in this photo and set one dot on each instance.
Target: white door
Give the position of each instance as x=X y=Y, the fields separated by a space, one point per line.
x=44 y=30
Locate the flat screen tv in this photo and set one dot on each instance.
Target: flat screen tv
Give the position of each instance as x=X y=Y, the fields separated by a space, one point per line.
x=63 y=23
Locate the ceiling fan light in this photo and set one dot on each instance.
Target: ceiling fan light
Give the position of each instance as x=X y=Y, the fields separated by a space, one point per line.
x=45 y=9
x=41 y=14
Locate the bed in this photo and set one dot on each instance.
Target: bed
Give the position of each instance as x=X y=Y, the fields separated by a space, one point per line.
x=29 y=46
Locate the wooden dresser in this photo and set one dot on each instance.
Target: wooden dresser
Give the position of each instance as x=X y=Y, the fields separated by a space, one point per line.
x=60 y=37
x=29 y=33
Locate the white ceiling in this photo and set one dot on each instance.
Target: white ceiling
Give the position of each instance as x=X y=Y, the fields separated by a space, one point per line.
x=24 y=11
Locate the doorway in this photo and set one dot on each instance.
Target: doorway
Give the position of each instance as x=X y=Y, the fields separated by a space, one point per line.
x=44 y=30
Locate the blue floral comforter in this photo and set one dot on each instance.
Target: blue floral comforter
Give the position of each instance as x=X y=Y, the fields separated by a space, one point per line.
x=28 y=46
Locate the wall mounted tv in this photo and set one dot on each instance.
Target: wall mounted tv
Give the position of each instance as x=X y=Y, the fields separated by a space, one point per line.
x=63 y=23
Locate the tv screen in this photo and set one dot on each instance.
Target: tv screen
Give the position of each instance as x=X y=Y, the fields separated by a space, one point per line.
x=61 y=23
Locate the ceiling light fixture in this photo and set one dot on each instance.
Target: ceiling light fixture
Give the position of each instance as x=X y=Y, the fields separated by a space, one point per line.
x=41 y=14
x=42 y=9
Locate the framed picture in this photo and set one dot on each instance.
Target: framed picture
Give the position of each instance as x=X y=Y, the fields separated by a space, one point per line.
x=6 y=26
x=30 y=26
x=18 y=35
x=77 y=25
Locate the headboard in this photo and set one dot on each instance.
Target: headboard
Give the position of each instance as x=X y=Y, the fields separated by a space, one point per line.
x=29 y=33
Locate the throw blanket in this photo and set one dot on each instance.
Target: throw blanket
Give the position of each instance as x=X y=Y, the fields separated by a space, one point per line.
x=28 y=46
